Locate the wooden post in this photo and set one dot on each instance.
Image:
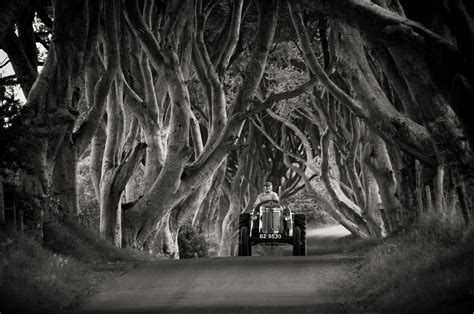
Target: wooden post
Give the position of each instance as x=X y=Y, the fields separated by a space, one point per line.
x=14 y=216
x=419 y=187
x=22 y=226
x=2 y=202
x=439 y=191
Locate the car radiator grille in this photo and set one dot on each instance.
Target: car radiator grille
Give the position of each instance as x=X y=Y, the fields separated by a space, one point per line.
x=270 y=219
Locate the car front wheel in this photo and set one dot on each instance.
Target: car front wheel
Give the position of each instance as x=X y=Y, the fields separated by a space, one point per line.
x=244 y=243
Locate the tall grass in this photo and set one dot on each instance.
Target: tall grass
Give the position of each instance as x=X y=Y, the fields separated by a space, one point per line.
x=35 y=280
x=426 y=269
x=69 y=238
x=56 y=277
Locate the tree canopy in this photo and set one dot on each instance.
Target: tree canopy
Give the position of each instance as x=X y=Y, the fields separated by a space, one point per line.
x=184 y=108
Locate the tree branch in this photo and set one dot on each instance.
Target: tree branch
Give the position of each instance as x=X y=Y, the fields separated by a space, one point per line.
x=126 y=168
x=233 y=37
x=267 y=103
x=138 y=26
x=262 y=130
x=24 y=70
x=345 y=206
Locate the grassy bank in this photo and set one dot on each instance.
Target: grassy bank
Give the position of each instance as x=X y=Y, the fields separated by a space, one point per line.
x=429 y=269
x=58 y=275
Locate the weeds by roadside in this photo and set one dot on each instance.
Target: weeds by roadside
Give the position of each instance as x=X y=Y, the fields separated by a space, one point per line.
x=427 y=269
x=56 y=277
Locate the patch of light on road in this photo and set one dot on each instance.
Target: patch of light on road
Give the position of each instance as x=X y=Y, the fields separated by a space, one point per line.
x=336 y=231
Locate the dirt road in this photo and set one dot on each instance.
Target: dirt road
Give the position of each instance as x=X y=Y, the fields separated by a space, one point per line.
x=257 y=284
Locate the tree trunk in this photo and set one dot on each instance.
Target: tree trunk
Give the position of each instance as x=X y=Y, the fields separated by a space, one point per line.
x=169 y=237
x=373 y=204
x=344 y=205
x=202 y=219
x=97 y=153
x=230 y=225
x=234 y=193
x=379 y=163
x=65 y=179
x=182 y=213
x=429 y=200
x=222 y=210
x=352 y=176
x=109 y=202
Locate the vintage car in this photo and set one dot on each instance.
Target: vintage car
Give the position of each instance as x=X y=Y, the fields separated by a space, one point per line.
x=272 y=224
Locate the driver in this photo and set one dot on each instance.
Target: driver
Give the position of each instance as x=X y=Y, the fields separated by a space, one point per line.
x=267 y=194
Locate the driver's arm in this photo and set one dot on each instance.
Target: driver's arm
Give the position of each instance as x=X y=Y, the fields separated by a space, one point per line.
x=258 y=200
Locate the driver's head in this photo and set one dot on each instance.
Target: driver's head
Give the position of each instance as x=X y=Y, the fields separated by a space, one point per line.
x=267 y=186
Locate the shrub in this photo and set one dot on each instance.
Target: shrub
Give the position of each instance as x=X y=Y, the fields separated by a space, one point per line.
x=191 y=243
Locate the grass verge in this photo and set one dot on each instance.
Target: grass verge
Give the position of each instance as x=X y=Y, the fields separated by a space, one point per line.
x=425 y=270
x=59 y=275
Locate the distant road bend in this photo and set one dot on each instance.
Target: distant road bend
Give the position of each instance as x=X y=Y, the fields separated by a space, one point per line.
x=257 y=284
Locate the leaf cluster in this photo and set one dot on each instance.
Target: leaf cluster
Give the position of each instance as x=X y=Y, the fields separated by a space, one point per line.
x=14 y=152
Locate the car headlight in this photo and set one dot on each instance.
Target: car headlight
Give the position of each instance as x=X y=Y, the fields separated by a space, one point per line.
x=254 y=217
x=287 y=218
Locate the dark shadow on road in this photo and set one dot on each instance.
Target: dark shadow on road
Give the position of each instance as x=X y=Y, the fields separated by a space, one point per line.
x=300 y=309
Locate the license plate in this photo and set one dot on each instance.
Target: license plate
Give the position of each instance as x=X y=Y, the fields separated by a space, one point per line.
x=270 y=236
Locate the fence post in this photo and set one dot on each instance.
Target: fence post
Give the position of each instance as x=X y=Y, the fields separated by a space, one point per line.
x=22 y=226
x=14 y=216
x=2 y=202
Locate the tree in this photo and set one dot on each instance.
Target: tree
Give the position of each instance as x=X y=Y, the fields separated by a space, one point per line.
x=208 y=99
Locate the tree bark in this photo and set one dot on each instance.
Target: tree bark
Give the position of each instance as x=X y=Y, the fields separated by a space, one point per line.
x=373 y=204
x=234 y=192
x=49 y=112
x=351 y=164
x=379 y=163
x=230 y=225
x=429 y=200
x=65 y=179
x=97 y=153
x=210 y=207
x=347 y=208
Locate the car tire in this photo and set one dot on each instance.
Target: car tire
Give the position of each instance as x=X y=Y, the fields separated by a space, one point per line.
x=300 y=221
x=296 y=241
x=244 y=220
x=244 y=243
x=245 y=247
